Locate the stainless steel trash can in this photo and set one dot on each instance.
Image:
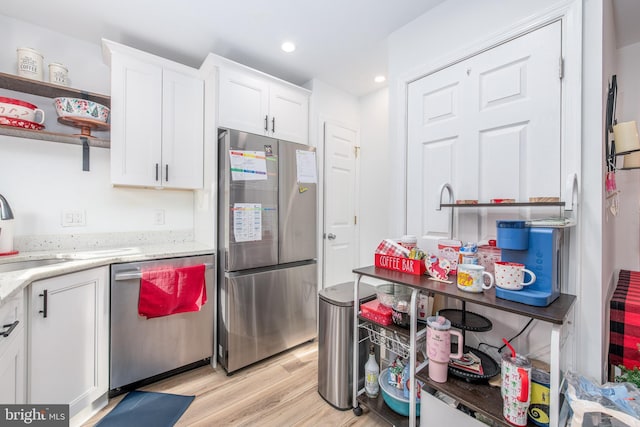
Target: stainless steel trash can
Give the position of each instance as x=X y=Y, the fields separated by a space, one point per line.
x=335 y=343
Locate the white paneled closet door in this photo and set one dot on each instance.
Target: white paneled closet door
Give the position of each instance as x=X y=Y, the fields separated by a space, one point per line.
x=489 y=126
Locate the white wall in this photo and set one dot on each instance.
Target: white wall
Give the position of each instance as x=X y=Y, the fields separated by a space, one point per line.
x=627 y=222
x=327 y=104
x=40 y=179
x=375 y=175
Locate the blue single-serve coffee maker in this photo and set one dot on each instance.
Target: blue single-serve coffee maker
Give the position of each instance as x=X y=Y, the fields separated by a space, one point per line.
x=539 y=249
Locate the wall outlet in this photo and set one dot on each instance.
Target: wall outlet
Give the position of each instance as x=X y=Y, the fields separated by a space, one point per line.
x=73 y=218
x=158 y=217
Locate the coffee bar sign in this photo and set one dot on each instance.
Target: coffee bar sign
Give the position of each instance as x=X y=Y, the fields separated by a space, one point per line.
x=404 y=265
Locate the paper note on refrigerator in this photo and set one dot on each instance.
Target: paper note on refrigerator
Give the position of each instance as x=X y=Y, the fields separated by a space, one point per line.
x=248 y=165
x=306 y=167
x=247 y=222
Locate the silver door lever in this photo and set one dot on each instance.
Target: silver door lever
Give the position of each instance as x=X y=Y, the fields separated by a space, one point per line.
x=331 y=236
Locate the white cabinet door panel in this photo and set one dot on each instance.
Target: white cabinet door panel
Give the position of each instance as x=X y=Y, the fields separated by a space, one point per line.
x=498 y=115
x=136 y=132
x=288 y=114
x=69 y=348
x=244 y=102
x=182 y=130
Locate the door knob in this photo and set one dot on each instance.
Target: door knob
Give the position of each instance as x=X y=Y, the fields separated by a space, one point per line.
x=331 y=236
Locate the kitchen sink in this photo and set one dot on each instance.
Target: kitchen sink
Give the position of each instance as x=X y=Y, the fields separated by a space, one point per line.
x=29 y=263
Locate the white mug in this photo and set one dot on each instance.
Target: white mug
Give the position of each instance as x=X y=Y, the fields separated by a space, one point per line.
x=510 y=275
x=471 y=278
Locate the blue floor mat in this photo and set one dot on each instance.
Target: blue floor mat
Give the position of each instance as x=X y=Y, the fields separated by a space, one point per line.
x=143 y=408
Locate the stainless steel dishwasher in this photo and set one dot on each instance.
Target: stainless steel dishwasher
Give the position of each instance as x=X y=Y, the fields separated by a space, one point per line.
x=144 y=350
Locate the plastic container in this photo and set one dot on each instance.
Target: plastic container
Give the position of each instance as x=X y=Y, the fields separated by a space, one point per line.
x=371 y=374
x=377 y=312
x=512 y=235
x=468 y=254
x=389 y=293
x=488 y=255
x=409 y=241
x=394 y=397
x=450 y=250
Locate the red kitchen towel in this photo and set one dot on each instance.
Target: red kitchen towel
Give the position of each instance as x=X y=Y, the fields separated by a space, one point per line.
x=167 y=291
x=624 y=323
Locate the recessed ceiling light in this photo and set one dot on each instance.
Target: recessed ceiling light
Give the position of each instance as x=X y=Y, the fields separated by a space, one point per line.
x=288 y=47
x=379 y=79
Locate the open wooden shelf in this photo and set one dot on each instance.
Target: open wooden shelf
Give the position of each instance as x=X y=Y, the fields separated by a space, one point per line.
x=53 y=136
x=49 y=90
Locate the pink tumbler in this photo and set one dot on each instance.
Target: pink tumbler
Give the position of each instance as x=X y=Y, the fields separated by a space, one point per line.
x=439 y=347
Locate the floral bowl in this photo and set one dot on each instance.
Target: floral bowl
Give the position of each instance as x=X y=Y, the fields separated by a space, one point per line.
x=83 y=108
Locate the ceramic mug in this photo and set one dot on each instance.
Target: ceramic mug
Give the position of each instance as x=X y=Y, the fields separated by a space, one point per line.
x=19 y=109
x=510 y=275
x=471 y=278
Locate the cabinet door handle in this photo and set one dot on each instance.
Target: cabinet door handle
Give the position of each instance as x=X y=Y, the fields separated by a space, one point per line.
x=11 y=327
x=44 y=304
x=266 y=123
x=273 y=124
x=166 y=173
x=156 y=171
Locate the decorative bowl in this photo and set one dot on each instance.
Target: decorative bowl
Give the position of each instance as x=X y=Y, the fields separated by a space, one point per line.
x=389 y=294
x=81 y=108
x=394 y=397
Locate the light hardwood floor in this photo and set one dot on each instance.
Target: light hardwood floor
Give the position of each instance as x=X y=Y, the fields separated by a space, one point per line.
x=280 y=391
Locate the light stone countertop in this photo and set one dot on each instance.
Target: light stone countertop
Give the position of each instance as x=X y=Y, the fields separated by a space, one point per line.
x=14 y=281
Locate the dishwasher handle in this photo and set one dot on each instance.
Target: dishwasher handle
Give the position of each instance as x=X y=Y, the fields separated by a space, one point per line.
x=137 y=274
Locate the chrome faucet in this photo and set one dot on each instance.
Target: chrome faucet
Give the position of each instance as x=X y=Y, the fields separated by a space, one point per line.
x=5 y=209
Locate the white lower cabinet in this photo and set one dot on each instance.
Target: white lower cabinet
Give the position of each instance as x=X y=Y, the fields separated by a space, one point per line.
x=12 y=351
x=68 y=341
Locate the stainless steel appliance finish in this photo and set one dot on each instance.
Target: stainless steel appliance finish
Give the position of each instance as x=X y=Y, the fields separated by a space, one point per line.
x=268 y=311
x=335 y=343
x=142 y=348
x=268 y=284
x=298 y=210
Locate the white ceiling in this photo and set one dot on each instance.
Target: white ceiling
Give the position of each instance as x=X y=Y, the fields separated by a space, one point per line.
x=342 y=43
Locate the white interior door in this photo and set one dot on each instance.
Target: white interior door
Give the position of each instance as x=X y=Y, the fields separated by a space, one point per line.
x=340 y=246
x=489 y=126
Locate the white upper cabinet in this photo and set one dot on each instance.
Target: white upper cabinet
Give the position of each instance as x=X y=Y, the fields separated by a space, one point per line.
x=253 y=102
x=157 y=120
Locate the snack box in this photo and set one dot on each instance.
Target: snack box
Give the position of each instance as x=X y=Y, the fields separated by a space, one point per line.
x=404 y=265
x=379 y=313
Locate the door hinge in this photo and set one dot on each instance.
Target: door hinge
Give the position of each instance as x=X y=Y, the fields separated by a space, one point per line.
x=356 y=151
x=561 y=68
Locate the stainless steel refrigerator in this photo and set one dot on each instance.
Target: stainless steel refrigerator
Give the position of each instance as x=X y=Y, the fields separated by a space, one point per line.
x=267 y=228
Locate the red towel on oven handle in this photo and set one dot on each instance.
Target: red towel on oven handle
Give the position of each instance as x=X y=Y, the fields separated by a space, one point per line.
x=166 y=291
